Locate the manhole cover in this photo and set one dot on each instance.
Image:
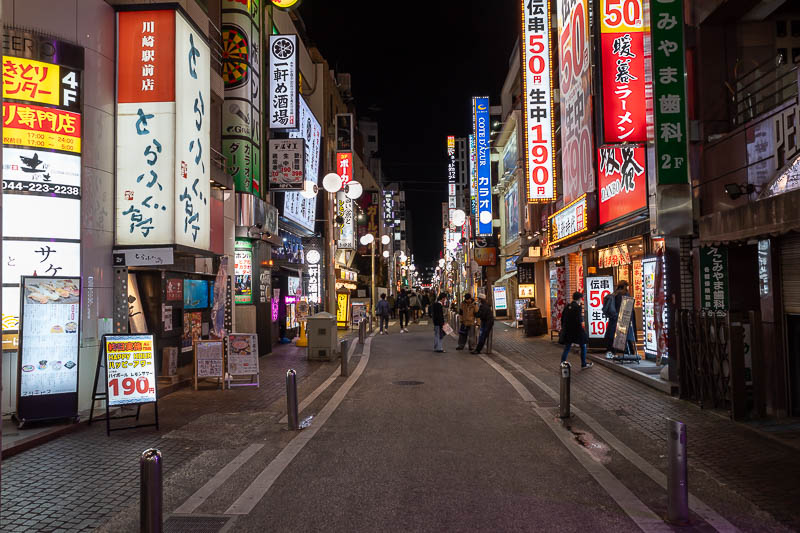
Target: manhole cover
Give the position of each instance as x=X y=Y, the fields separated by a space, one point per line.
x=407 y=382
x=195 y=524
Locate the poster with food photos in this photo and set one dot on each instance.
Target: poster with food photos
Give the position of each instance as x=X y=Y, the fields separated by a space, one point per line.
x=242 y=354
x=49 y=336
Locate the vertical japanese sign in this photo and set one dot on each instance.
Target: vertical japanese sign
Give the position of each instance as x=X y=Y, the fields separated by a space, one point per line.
x=714 y=279
x=621 y=180
x=192 y=136
x=344 y=132
x=480 y=115
x=295 y=207
x=451 y=180
x=537 y=89
x=622 y=42
x=473 y=178
x=283 y=82
x=243 y=272
x=597 y=288
x=41 y=212
x=347 y=234
x=575 y=58
x=241 y=74
x=669 y=91
x=163 y=133
x=344 y=166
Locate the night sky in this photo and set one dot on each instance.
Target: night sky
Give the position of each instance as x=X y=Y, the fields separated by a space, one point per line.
x=415 y=67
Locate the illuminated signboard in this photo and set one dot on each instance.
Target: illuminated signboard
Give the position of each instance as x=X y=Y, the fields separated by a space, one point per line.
x=41 y=127
x=451 y=176
x=597 y=288
x=621 y=181
x=347 y=233
x=473 y=179
x=569 y=221
x=283 y=82
x=537 y=85
x=130 y=369
x=243 y=272
x=622 y=42
x=344 y=166
x=41 y=170
x=296 y=208
x=577 y=145
x=241 y=74
x=480 y=115
x=500 y=300
x=163 y=131
x=286 y=164
x=388 y=209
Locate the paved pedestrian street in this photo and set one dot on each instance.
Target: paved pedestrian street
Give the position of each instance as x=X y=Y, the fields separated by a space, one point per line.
x=414 y=441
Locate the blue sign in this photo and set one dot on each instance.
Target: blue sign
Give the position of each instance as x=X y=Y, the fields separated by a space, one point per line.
x=480 y=113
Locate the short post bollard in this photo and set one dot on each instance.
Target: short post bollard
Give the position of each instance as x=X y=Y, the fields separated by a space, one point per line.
x=564 y=397
x=291 y=399
x=370 y=324
x=489 y=341
x=150 y=492
x=361 y=330
x=677 y=474
x=343 y=351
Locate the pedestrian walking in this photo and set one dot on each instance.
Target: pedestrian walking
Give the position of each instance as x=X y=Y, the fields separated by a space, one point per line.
x=611 y=305
x=486 y=316
x=402 y=310
x=437 y=313
x=383 y=313
x=572 y=331
x=425 y=301
x=392 y=306
x=413 y=304
x=465 y=332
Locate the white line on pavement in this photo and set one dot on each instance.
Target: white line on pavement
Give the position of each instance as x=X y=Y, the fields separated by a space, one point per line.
x=319 y=390
x=646 y=519
x=696 y=504
x=197 y=499
x=259 y=487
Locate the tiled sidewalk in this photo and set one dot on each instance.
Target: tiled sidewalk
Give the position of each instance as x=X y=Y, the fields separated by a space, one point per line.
x=758 y=468
x=75 y=482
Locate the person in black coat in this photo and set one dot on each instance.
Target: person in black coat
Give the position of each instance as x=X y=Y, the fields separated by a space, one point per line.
x=572 y=329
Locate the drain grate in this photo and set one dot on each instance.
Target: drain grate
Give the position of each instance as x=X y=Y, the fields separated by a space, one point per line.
x=407 y=382
x=195 y=524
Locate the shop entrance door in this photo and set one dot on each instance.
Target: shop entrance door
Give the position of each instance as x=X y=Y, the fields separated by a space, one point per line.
x=793 y=345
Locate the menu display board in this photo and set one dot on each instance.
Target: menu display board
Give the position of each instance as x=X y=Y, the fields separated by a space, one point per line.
x=597 y=288
x=174 y=289
x=48 y=362
x=130 y=369
x=243 y=270
x=623 y=322
x=500 y=301
x=192 y=329
x=242 y=354
x=208 y=358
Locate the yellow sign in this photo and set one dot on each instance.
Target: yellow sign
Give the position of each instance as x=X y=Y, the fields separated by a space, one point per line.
x=342 y=308
x=25 y=79
x=527 y=291
x=10 y=341
x=285 y=4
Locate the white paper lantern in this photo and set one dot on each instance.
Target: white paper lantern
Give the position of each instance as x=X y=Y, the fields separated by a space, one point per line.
x=332 y=182
x=353 y=190
x=386 y=240
x=486 y=217
x=458 y=217
x=366 y=239
x=386 y=253
x=309 y=189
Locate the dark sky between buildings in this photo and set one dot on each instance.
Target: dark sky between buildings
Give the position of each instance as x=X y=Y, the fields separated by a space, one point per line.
x=415 y=67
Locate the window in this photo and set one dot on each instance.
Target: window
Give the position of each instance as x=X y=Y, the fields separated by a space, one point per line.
x=371 y=139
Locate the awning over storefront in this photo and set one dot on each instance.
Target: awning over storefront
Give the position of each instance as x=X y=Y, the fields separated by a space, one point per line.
x=623 y=234
x=770 y=216
x=505 y=278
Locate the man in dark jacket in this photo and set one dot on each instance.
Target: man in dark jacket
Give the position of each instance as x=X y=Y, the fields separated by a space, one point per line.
x=437 y=312
x=486 y=316
x=402 y=310
x=572 y=329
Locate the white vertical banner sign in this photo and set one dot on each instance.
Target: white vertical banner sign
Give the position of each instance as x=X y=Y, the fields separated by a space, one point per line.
x=283 y=82
x=537 y=90
x=192 y=136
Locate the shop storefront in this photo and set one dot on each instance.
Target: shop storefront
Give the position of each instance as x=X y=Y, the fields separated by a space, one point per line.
x=287 y=283
x=346 y=285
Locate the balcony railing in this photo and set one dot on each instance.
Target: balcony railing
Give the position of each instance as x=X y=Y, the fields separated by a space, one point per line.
x=764 y=88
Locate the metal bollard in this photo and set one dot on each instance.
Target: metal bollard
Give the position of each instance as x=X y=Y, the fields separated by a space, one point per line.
x=361 y=331
x=489 y=341
x=677 y=474
x=291 y=399
x=370 y=324
x=564 y=398
x=345 y=362
x=150 y=492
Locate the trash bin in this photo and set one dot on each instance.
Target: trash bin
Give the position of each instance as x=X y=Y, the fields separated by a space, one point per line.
x=532 y=322
x=321 y=337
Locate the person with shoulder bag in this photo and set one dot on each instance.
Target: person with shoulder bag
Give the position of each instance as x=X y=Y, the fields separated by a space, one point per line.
x=572 y=331
x=467 y=313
